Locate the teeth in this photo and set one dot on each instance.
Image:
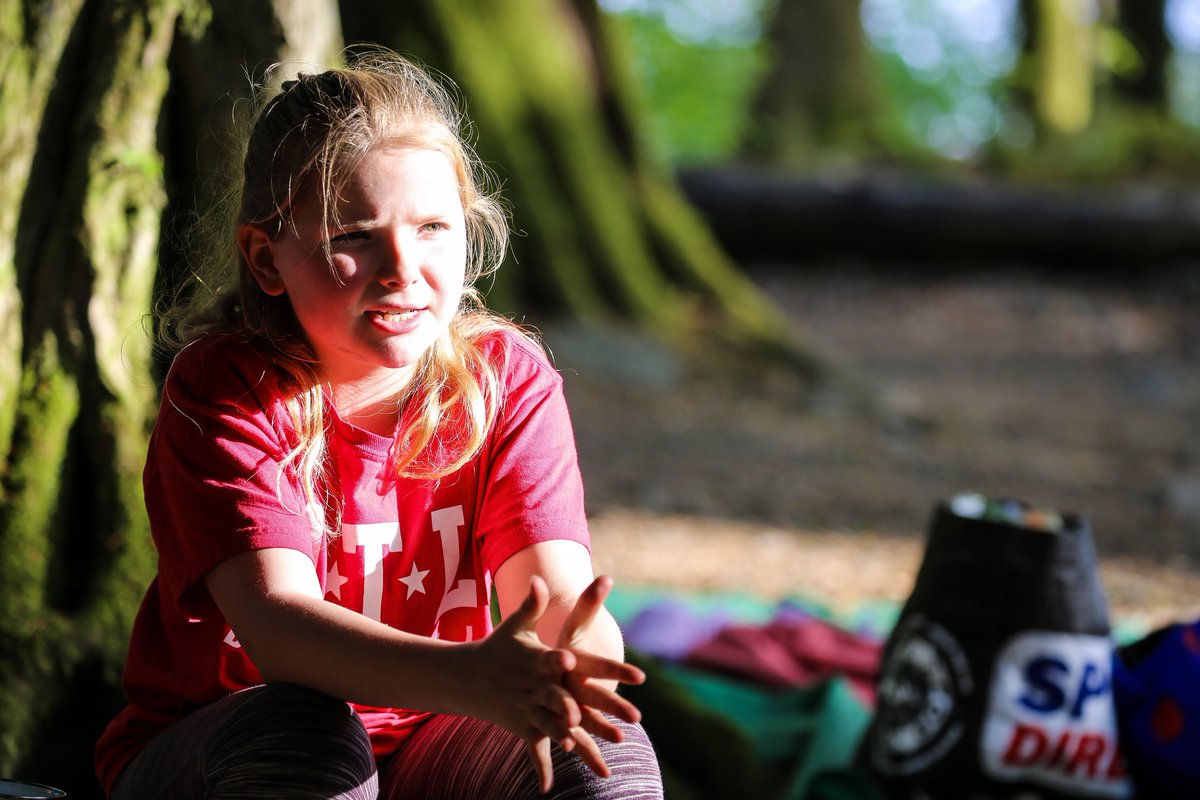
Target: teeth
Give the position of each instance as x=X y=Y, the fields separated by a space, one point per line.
x=396 y=316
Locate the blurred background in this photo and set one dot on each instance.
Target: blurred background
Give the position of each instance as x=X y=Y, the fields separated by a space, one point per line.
x=808 y=267
x=980 y=218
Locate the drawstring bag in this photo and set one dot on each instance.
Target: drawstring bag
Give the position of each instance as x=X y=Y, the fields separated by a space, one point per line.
x=996 y=679
x=1156 y=687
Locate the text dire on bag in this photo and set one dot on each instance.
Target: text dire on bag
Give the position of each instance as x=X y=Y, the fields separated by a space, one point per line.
x=997 y=679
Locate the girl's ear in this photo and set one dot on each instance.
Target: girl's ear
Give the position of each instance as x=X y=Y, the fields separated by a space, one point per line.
x=258 y=250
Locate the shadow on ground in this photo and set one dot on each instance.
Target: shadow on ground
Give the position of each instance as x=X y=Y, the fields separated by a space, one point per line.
x=1069 y=392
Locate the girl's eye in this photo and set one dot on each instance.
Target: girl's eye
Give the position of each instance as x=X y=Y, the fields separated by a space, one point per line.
x=435 y=227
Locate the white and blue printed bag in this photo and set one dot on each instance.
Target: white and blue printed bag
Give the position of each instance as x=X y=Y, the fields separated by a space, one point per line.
x=997 y=678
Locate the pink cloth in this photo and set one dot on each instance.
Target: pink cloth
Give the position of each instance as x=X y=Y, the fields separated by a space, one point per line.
x=790 y=652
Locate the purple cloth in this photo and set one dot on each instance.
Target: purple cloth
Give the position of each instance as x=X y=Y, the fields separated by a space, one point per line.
x=670 y=629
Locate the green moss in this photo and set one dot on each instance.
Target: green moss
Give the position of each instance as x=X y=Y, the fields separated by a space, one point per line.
x=550 y=251
x=46 y=410
x=71 y=509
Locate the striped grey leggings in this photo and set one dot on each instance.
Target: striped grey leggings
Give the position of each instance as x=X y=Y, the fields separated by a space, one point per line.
x=283 y=741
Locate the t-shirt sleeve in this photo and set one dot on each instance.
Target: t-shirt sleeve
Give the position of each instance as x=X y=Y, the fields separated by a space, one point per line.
x=532 y=488
x=213 y=481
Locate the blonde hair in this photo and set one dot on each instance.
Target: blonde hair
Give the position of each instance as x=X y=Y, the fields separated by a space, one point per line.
x=307 y=138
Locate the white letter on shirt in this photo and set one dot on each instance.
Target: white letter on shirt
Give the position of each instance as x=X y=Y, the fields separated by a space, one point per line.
x=377 y=539
x=447 y=521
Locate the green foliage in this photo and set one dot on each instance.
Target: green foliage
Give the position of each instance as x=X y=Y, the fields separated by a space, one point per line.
x=953 y=86
x=1123 y=143
x=50 y=402
x=696 y=92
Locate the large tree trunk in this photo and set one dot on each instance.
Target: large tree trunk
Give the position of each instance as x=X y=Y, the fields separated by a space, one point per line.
x=82 y=198
x=83 y=195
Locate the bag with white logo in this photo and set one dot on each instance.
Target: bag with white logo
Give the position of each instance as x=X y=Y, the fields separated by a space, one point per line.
x=997 y=679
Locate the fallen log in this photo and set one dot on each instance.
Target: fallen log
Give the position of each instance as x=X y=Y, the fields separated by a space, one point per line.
x=760 y=215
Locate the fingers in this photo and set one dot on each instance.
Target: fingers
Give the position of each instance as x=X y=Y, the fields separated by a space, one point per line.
x=587 y=750
x=532 y=608
x=589 y=603
x=600 y=668
x=606 y=701
x=553 y=663
x=539 y=753
x=599 y=725
x=559 y=713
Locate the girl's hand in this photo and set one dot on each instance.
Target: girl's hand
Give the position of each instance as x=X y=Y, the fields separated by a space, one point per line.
x=577 y=624
x=592 y=682
x=522 y=687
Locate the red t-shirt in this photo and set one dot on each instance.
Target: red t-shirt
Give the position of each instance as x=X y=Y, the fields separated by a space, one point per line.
x=416 y=555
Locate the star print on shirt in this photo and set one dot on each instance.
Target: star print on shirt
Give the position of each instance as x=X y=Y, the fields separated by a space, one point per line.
x=334 y=582
x=415 y=581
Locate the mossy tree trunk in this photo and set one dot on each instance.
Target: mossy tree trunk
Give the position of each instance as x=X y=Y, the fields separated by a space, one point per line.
x=605 y=234
x=82 y=195
x=81 y=200
x=1065 y=53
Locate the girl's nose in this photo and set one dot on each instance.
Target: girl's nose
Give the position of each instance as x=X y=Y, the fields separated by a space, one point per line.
x=401 y=262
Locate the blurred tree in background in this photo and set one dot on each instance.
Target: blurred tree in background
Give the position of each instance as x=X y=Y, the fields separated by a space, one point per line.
x=1056 y=90
x=1145 y=81
x=1060 y=130
x=818 y=94
x=605 y=234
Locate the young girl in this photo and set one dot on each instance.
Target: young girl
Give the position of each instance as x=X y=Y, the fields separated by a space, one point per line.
x=351 y=453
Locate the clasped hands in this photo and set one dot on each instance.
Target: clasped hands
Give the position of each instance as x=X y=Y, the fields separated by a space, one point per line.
x=559 y=694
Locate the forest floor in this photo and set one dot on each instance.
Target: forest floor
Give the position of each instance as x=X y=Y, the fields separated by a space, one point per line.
x=1069 y=392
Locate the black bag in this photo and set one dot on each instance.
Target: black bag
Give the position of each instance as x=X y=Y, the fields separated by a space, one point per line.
x=996 y=680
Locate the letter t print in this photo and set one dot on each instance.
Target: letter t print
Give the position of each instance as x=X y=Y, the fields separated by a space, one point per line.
x=376 y=539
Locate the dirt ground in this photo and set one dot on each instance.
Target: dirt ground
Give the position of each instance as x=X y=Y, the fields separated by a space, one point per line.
x=1070 y=392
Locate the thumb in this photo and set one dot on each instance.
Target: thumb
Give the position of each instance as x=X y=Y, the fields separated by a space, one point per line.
x=584 y=612
x=532 y=607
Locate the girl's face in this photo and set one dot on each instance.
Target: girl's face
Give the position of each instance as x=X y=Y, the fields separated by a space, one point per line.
x=398 y=261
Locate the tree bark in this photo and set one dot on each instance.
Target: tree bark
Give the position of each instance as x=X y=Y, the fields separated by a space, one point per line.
x=1065 y=82
x=80 y=217
x=85 y=193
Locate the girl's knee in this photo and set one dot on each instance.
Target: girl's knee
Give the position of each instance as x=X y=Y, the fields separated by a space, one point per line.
x=301 y=737
x=283 y=709
x=632 y=763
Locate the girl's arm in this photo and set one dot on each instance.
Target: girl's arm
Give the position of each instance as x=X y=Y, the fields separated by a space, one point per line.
x=272 y=600
x=566 y=567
